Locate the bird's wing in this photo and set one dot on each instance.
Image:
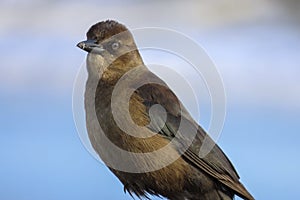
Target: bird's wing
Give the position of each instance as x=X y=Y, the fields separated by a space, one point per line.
x=215 y=163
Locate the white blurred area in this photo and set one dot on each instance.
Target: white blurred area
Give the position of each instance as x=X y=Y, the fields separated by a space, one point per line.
x=254 y=43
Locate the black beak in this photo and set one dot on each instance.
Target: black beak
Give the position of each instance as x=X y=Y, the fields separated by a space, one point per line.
x=91 y=46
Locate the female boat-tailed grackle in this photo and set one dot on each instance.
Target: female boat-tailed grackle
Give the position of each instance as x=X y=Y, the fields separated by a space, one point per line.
x=114 y=61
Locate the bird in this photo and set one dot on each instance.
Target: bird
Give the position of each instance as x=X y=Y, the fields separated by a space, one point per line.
x=149 y=120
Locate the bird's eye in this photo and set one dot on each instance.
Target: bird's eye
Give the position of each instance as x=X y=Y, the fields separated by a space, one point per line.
x=115 y=45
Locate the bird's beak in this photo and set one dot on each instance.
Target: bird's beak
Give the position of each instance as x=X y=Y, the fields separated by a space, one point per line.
x=91 y=46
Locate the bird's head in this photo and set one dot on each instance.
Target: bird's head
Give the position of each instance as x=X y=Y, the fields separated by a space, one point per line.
x=108 y=39
x=110 y=43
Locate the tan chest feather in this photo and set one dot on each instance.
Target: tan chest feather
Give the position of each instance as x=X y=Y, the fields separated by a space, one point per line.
x=173 y=174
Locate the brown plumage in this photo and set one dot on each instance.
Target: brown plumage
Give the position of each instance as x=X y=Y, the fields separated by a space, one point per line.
x=113 y=53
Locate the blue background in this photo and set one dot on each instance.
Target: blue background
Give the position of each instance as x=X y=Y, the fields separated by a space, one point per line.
x=255 y=45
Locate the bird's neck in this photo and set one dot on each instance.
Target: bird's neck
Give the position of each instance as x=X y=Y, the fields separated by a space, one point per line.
x=122 y=65
x=112 y=72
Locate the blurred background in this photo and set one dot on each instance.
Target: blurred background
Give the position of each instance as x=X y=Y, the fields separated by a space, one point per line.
x=254 y=43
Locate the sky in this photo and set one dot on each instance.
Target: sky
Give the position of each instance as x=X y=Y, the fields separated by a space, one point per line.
x=255 y=46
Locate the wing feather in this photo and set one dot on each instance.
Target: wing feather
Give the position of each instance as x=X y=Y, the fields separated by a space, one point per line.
x=216 y=163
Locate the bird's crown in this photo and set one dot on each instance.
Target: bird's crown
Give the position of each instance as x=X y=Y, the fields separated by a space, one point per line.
x=105 y=29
